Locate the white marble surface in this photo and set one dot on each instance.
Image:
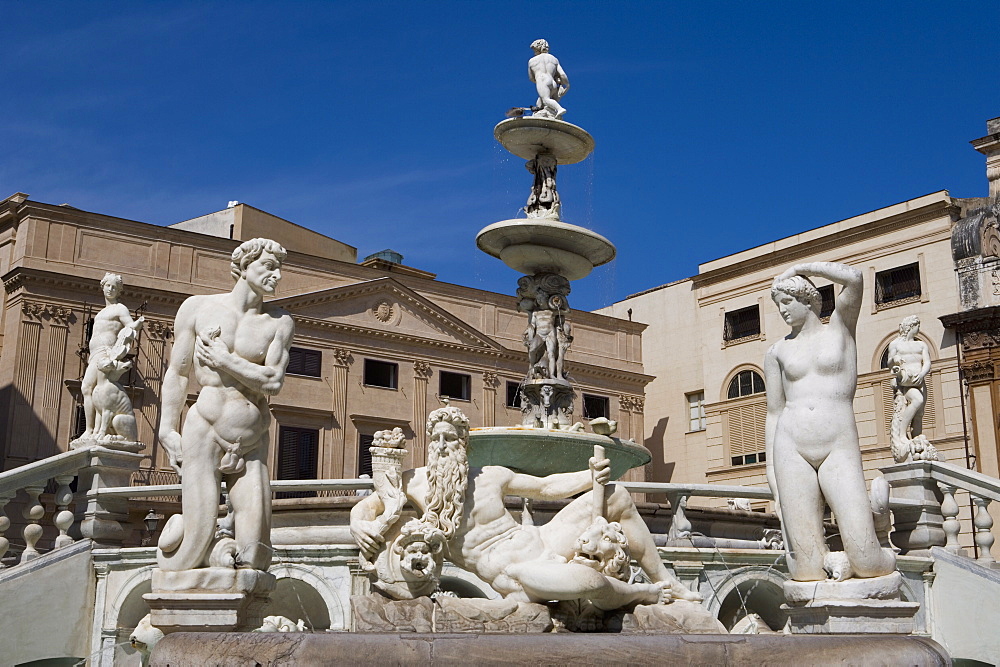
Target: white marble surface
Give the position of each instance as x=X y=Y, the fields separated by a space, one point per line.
x=910 y=362
x=550 y=81
x=811 y=437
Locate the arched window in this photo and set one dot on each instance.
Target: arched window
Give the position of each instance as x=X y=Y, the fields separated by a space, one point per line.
x=884 y=361
x=746 y=383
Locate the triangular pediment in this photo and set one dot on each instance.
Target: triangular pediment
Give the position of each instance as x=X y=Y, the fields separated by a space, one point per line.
x=385 y=306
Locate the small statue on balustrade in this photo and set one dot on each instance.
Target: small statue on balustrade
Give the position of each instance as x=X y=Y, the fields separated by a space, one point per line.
x=106 y=405
x=910 y=362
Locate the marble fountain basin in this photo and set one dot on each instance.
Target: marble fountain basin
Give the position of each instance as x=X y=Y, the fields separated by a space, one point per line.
x=540 y=452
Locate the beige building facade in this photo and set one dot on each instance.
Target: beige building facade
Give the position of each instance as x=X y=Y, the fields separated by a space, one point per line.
x=708 y=336
x=377 y=344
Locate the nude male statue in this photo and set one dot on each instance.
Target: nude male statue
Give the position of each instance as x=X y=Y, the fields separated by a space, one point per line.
x=910 y=363
x=108 y=323
x=548 y=334
x=549 y=78
x=521 y=562
x=811 y=437
x=237 y=347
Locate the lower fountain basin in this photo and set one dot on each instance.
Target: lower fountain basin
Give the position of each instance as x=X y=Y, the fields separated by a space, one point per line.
x=541 y=452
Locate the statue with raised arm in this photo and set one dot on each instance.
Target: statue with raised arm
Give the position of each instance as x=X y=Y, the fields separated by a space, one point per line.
x=549 y=333
x=572 y=557
x=237 y=348
x=910 y=363
x=811 y=437
x=550 y=81
x=106 y=405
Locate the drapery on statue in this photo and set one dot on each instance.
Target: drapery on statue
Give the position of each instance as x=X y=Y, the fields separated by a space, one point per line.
x=910 y=362
x=811 y=437
x=107 y=407
x=237 y=347
x=549 y=333
x=572 y=557
x=550 y=81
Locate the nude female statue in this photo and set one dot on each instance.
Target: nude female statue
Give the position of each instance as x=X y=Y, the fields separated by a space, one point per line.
x=237 y=347
x=811 y=437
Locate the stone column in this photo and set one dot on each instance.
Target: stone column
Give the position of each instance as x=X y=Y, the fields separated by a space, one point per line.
x=630 y=425
x=55 y=361
x=23 y=427
x=335 y=456
x=490 y=383
x=421 y=375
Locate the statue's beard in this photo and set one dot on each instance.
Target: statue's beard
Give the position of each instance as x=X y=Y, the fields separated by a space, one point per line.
x=447 y=479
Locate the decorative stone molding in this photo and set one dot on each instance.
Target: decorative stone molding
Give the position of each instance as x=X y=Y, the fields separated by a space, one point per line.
x=421 y=369
x=157 y=329
x=634 y=404
x=978 y=340
x=383 y=311
x=490 y=379
x=32 y=310
x=341 y=356
x=978 y=371
x=13 y=283
x=59 y=314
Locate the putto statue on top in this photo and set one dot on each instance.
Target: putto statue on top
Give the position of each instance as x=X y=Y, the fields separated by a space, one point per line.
x=550 y=81
x=106 y=405
x=237 y=347
x=910 y=363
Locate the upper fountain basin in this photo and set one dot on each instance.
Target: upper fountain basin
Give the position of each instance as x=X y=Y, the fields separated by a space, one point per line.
x=528 y=136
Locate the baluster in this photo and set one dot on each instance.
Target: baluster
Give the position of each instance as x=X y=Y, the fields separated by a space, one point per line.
x=680 y=527
x=984 y=534
x=33 y=512
x=64 y=517
x=4 y=525
x=951 y=525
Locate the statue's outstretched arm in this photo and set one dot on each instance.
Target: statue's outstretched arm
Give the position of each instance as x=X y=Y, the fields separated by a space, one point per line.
x=848 y=301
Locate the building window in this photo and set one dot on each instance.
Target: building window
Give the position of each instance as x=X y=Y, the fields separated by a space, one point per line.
x=742 y=324
x=305 y=362
x=696 y=411
x=826 y=310
x=365 y=441
x=745 y=427
x=746 y=383
x=596 y=406
x=298 y=455
x=899 y=284
x=513 y=394
x=79 y=421
x=455 y=385
x=381 y=374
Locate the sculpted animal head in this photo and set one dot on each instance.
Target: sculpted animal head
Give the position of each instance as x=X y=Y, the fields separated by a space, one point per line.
x=604 y=547
x=419 y=548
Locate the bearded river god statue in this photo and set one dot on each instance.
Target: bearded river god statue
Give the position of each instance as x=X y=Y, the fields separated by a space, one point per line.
x=578 y=564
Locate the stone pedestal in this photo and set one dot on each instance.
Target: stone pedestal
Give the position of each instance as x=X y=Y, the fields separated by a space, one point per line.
x=104 y=516
x=212 y=599
x=916 y=507
x=855 y=606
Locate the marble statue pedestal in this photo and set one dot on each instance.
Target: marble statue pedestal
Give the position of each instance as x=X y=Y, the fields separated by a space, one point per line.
x=855 y=606
x=918 y=523
x=549 y=404
x=211 y=599
x=107 y=443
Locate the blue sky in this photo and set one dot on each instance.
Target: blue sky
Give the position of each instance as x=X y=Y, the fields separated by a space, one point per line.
x=719 y=125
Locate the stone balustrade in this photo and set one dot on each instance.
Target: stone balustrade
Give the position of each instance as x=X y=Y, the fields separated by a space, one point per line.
x=926 y=512
x=95 y=467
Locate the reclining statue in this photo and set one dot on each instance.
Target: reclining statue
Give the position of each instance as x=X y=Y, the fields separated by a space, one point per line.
x=574 y=556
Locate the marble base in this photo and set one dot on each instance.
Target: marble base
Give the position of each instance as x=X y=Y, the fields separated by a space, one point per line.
x=114 y=445
x=854 y=606
x=212 y=599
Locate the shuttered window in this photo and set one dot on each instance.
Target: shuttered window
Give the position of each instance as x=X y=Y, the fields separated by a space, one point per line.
x=746 y=433
x=829 y=301
x=298 y=455
x=365 y=441
x=901 y=283
x=305 y=362
x=742 y=323
x=696 y=411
